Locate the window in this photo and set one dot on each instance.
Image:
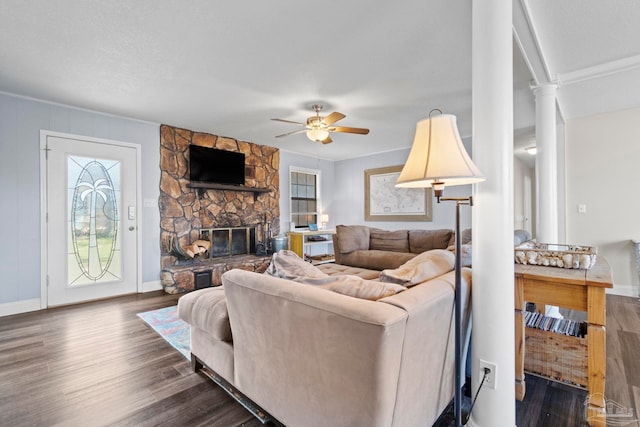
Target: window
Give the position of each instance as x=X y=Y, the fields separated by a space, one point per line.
x=304 y=197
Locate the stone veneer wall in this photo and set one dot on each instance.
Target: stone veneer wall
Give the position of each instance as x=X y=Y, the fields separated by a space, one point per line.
x=183 y=213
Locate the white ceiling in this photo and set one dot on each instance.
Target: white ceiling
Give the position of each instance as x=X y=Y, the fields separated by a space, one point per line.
x=229 y=67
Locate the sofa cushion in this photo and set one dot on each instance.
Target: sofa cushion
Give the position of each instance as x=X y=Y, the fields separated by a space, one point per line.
x=206 y=309
x=288 y=265
x=341 y=270
x=423 y=267
x=426 y=240
x=376 y=260
x=383 y=240
x=352 y=238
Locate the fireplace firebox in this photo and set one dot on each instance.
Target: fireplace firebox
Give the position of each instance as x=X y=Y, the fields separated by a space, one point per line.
x=230 y=241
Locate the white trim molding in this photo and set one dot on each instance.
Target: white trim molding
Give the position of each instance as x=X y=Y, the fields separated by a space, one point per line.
x=18 y=307
x=154 y=285
x=600 y=70
x=624 y=290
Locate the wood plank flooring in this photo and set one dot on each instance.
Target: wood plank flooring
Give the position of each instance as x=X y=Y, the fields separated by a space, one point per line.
x=98 y=364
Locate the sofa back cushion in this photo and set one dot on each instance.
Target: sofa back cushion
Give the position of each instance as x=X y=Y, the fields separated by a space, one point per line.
x=383 y=240
x=374 y=259
x=352 y=238
x=426 y=240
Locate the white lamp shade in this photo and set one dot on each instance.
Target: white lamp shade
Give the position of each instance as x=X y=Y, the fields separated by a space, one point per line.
x=438 y=155
x=324 y=218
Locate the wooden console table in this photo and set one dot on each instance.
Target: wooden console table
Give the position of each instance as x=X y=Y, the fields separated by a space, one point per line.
x=582 y=290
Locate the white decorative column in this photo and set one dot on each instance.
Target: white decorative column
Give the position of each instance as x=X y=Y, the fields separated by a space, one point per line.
x=546 y=163
x=493 y=266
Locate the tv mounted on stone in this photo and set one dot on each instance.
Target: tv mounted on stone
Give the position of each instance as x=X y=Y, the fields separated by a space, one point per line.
x=216 y=166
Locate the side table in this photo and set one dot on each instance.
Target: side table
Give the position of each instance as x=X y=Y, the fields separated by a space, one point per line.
x=582 y=290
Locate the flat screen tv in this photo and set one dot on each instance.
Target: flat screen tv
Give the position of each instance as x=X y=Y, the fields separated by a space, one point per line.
x=215 y=166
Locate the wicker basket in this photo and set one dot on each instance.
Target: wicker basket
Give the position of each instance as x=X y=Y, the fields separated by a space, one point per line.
x=553 y=255
x=556 y=356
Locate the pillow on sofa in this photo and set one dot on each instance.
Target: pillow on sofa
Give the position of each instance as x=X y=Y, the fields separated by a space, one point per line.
x=426 y=240
x=352 y=238
x=383 y=240
x=357 y=287
x=424 y=266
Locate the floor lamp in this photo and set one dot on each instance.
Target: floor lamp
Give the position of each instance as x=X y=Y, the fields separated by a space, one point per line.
x=438 y=158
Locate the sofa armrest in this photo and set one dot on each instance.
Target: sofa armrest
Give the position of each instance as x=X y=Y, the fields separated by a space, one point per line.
x=426 y=380
x=312 y=357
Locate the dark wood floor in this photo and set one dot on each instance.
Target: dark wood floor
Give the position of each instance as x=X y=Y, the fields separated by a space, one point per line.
x=98 y=364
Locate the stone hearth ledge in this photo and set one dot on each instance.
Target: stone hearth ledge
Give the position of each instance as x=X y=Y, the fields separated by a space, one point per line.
x=179 y=278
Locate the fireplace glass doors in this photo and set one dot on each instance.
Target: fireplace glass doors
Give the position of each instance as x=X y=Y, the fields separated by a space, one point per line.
x=230 y=241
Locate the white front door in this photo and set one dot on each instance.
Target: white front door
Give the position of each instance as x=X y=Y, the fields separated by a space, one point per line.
x=91 y=226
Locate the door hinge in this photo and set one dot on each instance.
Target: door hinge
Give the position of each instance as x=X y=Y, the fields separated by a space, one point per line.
x=47 y=280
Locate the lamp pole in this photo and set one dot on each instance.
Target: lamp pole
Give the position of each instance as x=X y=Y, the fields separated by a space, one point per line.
x=457 y=396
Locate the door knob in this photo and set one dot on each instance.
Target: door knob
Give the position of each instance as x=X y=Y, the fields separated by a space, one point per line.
x=131 y=228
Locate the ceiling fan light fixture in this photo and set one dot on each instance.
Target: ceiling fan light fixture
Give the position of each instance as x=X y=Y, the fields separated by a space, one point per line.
x=317 y=134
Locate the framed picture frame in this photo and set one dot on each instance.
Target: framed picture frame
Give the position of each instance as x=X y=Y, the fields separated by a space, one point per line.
x=313 y=227
x=384 y=202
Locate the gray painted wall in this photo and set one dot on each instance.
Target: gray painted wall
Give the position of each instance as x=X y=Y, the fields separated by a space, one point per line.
x=348 y=197
x=327 y=190
x=20 y=123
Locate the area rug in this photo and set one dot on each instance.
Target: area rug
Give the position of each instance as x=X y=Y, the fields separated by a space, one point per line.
x=168 y=325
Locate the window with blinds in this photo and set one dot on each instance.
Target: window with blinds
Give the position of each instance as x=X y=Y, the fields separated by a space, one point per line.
x=304 y=198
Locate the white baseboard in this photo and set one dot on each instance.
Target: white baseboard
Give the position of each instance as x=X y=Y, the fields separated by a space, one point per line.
x=624 y=290
x=17 y=307
x=155 y=285
x=25 y=306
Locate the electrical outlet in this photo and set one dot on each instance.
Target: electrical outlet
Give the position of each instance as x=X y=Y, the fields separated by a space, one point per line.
x=491 y=376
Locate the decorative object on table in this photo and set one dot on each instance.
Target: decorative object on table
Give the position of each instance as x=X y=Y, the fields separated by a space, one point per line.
x=318 y=127
x=438 y=158
x=313 y=227
x=168 y=325
x=384 y=202
x=555 y=255
x=324 y=220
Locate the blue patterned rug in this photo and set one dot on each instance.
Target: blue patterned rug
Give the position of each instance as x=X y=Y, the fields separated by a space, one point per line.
x=168 y=325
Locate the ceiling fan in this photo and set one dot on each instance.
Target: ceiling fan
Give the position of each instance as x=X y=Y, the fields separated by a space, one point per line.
x=318 y=128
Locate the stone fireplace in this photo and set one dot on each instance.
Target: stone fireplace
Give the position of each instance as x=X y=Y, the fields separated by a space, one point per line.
x=235 y=220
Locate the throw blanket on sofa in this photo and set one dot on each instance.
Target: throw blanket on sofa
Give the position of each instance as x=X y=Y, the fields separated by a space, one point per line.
x=423 y=267
x=288 y=265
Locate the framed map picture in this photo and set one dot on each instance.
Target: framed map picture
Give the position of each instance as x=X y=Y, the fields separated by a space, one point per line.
x=384 y=202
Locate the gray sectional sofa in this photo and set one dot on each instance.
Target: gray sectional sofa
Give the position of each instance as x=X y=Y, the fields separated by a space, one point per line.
x=365 y=251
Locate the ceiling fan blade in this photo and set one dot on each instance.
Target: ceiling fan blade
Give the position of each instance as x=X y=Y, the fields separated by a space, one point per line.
x=291 y=133
x=333 y=117
x=360 y=131
x=288 y=121
x=327 y=140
